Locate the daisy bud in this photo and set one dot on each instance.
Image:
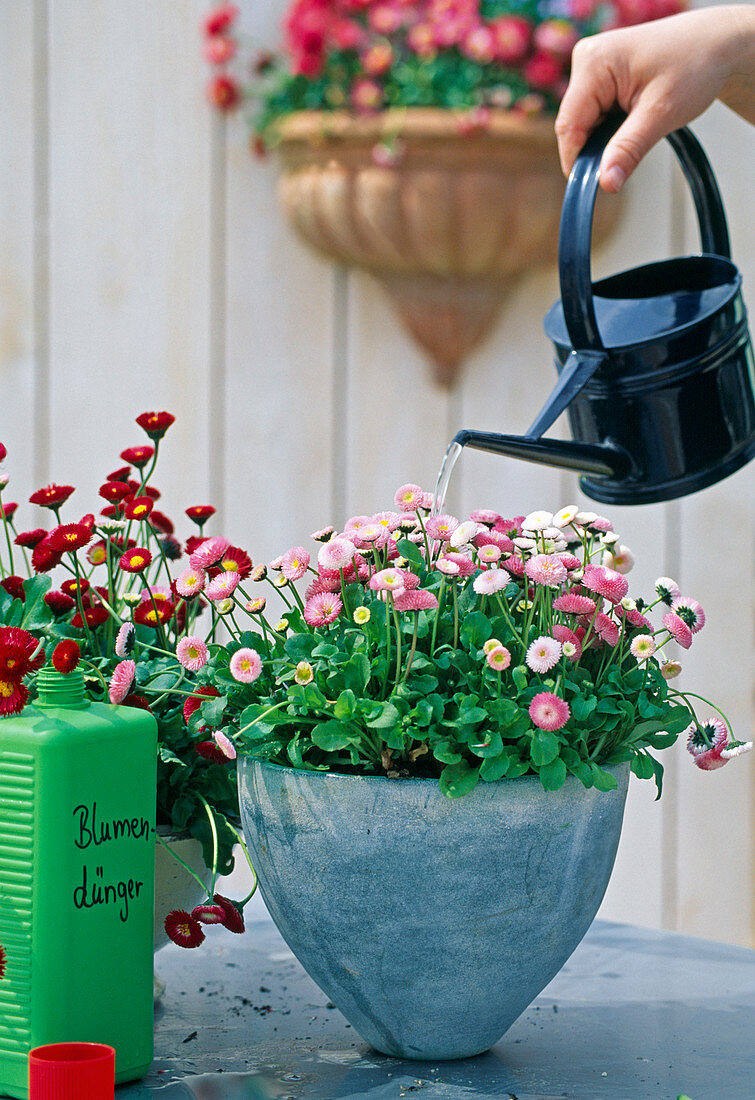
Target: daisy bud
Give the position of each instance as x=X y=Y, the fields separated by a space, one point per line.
x=361 y=615
x=569 y=650
x=670 y=670
x=224 y=607
x=280 y=581
x=304 y=673
x=629 y=604
x=492 y=643
x=131 y=599
x=259 y=573
x=281 y=626
x=256 y=607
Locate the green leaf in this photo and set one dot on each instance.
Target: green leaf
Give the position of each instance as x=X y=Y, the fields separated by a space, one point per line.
x=519 y=676
x=331 y=736
x=458 y=779
x=410 y=551
x=647 y=708
x=37 y=614
x=169 y=757
x=346 y=704
x=495 y=767
x=356 y=673
x=386 y=717
x=545 y=747
x=475 y=630
x=300 y=647
x=642 y=766
x=490 y=746
x=583 y=706
x=445 y=753
x=553 y=775
x=602 y=781
x=213 y=711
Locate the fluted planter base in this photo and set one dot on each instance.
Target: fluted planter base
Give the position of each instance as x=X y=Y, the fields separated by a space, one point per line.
x=448 y=228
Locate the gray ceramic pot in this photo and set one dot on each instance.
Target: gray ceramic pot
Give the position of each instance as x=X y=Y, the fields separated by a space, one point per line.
x=431 y=923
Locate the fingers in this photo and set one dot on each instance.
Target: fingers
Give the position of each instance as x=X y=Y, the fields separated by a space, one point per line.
x=591 y=92
x=635 y=137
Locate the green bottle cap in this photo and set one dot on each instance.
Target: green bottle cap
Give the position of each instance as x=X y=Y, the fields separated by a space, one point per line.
x=57 y=689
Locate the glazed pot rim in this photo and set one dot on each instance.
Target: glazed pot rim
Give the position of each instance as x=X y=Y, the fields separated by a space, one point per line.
x=612 y=769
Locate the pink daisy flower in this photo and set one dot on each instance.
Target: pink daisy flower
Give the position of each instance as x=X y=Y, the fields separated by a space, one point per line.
x=606 y=582
x=323 y=535
x=606 y=629
x=565 y=636
x=642 y=647
x=566 y=516
x=489 y=553
x=355 y=524
x=466 y=565
x=620 y=558
x=678 y=629
x=388 y=580
x=464 y=534
x=121 y=681
x=574 y=604
x=485 y=516
x=336 y=554
x=295 y=563
x=124 y=642
x=707 y=742
x=689 y=610
x=543 y=654
x=570 y=560
x=447 y=567
x=225 y=744
x=191 y=582
x=441 y=527
x=667 y=589
x=670 y=670
x=634 y=617
x=514 y=565
x=322 y=609
x=372 y=534
x=546 y=569
x=222 y=586
x=209 y=552
x=389 y=521
x=245 y=665
x=418 y=599
x=537 y=521
x=490 y=581
x=409 y=497
x=549 y=711
x=498 y=658
x=192 y=653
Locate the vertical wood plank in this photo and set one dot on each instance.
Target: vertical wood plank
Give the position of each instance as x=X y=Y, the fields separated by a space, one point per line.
x=17 y=269
x=129 y=231
x=285 y=335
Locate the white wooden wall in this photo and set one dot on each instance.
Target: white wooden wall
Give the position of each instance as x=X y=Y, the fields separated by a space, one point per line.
x=144 y=264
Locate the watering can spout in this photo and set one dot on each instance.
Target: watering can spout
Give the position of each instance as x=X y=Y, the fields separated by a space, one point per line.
x=604 y=460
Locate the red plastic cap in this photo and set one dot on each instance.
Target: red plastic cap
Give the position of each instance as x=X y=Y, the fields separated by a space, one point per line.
x=72 y=1071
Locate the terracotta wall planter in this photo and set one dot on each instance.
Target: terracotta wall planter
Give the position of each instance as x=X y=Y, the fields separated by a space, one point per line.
x=447 y=229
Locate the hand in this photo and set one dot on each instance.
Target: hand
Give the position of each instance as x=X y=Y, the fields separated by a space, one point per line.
x=663 y=74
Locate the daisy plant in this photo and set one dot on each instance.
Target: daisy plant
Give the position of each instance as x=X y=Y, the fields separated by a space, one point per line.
x=115 y=593
x=417 y=645
x=366 y=55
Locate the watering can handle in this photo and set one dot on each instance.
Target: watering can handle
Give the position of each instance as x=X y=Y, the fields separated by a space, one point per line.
x=577 y=214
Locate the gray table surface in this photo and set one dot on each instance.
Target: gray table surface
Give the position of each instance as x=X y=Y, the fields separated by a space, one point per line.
x=635 y=1014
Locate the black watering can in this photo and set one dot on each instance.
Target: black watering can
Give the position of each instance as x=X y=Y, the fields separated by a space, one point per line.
x=655 y=364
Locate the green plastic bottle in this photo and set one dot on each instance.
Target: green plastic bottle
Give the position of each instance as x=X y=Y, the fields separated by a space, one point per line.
x=77 y=862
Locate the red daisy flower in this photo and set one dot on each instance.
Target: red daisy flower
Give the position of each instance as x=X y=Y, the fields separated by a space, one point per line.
x=171 y=547
x=121 y=474
x=183 y=929
x=18 y=645
x=161 y=523
x=194 y=541
x=194 y=702
x=14 y=586
x=8 y=509
x=30 y=538
x=219 y=19
x=134 y=700
x=223 y=92
x=138 y=508
x=110 y=511
x=66 y=655
x=136 y=560
x=236 y=561
x=3 y=453
x=114 y=491
x=200 y=513
x=13 y=695
x=150 y=491
x=147 y=615
x=71 y=587
x=234 y=920
x=52 y=496
x=155 y=424
x=210 y=751
x=59 y=602
x=97 y=552
x=3 y=956
x=69 y=536
x=138 y=456
x=44 y=558
x=93 y=616
x=208 y=914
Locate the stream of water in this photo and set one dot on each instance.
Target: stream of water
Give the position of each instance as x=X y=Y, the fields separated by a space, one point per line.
x=450 y=459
